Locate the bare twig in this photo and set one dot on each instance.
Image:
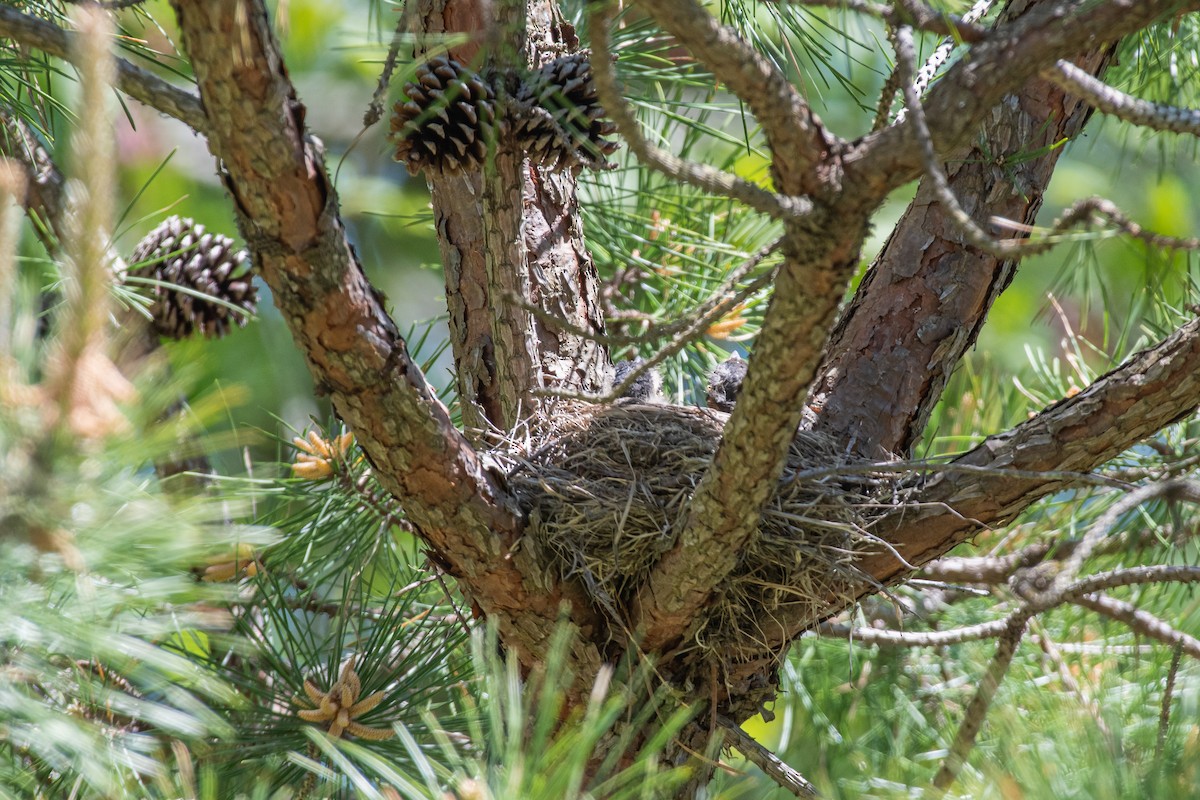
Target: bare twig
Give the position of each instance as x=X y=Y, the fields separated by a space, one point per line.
x=138 y=83
x=795 y=135
x=701 y=176
x=941 y=53
x=764 y=759
x=1054 y=654
x=374 y=110
x=1110 y=100
x=985 y=569
x=111 y=5
x=1140 y=622
x=964 y=739
x=722 y=300
x=1164 y=716
x=1011 y=54
x=1079 y=214
x=876 y=636
x=1082 y=213
x=1015 y=625
x=1174 y=490
x=45 y=198
x=914 y=13
x=692 y=328
x=905 y=64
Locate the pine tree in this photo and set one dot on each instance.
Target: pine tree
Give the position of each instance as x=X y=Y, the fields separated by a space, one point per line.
x=548 y=580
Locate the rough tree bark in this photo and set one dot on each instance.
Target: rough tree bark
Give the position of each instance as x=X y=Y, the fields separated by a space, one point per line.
x=515 y=235
x=925 y=298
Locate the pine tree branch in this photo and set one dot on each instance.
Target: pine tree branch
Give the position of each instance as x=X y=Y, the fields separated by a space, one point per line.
x=985 y=569
x=1155 y=116
x=787 y=777
x=797 y=138
x=968 y=729
x=138 y=83
x=287 y=209
x=701 y=176
x=1164 y=715
x=1011 y=54
x=910 y=12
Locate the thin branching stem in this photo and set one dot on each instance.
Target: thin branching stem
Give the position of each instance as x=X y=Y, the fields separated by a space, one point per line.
x=722 y=300
x=914 y=13
x=1175 y=489
x=1079 y=214
x=771 y=765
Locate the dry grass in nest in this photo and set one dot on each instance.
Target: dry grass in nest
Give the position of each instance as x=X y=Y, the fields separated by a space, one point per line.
x=607 y=488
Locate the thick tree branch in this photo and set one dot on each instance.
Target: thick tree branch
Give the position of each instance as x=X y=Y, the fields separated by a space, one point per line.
x=288 y=213
x=1152 y=389
x=1002 y=63
x=136 y=82
x=820 y=256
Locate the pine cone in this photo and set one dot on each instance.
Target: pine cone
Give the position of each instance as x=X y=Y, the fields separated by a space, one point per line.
x=448 y=120
x=561 y=122
x=182 y=254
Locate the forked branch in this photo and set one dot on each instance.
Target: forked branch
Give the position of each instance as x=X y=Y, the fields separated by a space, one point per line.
x=288 y=214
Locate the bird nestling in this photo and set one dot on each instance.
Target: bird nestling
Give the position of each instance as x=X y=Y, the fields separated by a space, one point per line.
x=646 y=388
x=725 y=383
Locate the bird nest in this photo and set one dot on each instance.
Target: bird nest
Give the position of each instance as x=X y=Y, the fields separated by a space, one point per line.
x=607 y=490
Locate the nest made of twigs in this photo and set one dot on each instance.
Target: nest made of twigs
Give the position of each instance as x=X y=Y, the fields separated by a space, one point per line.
x=607 y=488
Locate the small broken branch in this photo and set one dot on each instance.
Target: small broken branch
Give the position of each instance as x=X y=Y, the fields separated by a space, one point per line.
x=1140 y=622
x=791 y=780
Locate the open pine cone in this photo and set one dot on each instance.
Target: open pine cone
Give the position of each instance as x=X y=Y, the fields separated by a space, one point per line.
x=561 y=122
x=448 y=120
x=181 y=255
